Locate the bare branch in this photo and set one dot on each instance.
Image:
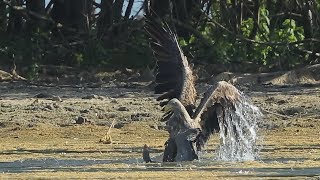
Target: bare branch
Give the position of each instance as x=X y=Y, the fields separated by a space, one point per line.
x=27 y=12
x=48 y=8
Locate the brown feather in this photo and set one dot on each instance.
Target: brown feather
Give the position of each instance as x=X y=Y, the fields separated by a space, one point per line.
x=220 y=92
x=172 y=64
x=209 y=112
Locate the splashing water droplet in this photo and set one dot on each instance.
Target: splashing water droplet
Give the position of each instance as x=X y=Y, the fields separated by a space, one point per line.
x=238 y=131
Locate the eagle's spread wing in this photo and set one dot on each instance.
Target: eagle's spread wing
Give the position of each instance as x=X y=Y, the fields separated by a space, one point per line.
x=210 y=111
x=174 y=78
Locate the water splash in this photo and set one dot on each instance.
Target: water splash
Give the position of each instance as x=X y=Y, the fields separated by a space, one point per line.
x=238 y=131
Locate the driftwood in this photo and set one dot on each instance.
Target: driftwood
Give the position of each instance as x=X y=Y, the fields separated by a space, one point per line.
x=5 y=76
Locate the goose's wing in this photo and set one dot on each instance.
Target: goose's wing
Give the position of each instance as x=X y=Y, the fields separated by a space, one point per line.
x=174 y=78
x=210 y=111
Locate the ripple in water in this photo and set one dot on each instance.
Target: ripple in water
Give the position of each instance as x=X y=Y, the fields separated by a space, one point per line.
x=238 y=131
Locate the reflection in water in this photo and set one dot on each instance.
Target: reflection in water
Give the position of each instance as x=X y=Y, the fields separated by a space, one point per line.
x=45 y=164
x=83 y=165
x=238 y=132
x=57 y=164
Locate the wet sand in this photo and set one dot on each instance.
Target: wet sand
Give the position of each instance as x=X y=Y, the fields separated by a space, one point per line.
x=41 y=138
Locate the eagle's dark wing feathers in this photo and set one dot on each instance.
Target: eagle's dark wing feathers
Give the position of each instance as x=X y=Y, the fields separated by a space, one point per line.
x=174 y=78
x=211 y=109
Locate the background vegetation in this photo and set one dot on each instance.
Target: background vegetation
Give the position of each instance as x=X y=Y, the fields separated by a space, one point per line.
x=236 y=35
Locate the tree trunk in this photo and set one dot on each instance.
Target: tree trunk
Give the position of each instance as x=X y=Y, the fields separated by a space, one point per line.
x=307 y=19
x=105 y=19
x=117 y=13
x=90 y=12
x=72 y=14
x=252 y=35
x=208 y=7
x=236 y=18
x=58 y=12
x=308 y=25
x=15 y=23
x=160 y=8
x=256 y=19
x=3 y=17
x=180 y=12
x=37 y=6
x=225 y=15
x=128 y=10
x=78 y=16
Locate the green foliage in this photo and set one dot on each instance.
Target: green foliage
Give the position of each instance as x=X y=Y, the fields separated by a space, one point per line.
x=95 y=53
x=26 y=49
x=78 y=58
x=289 y=32
x=247 y=26
x=33 y=71
x=273 y=50
x=220 y=35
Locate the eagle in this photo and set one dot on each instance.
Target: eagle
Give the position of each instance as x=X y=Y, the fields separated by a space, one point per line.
x=189 y=124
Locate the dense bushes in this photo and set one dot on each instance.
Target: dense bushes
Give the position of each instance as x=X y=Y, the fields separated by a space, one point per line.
x=258 y=35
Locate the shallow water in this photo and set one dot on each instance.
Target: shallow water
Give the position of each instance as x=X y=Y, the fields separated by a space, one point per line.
x=81 y=165
x=262 y=167
x=275 y=161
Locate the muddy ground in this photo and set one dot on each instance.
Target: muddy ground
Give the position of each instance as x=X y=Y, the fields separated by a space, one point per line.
x=61 y=132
